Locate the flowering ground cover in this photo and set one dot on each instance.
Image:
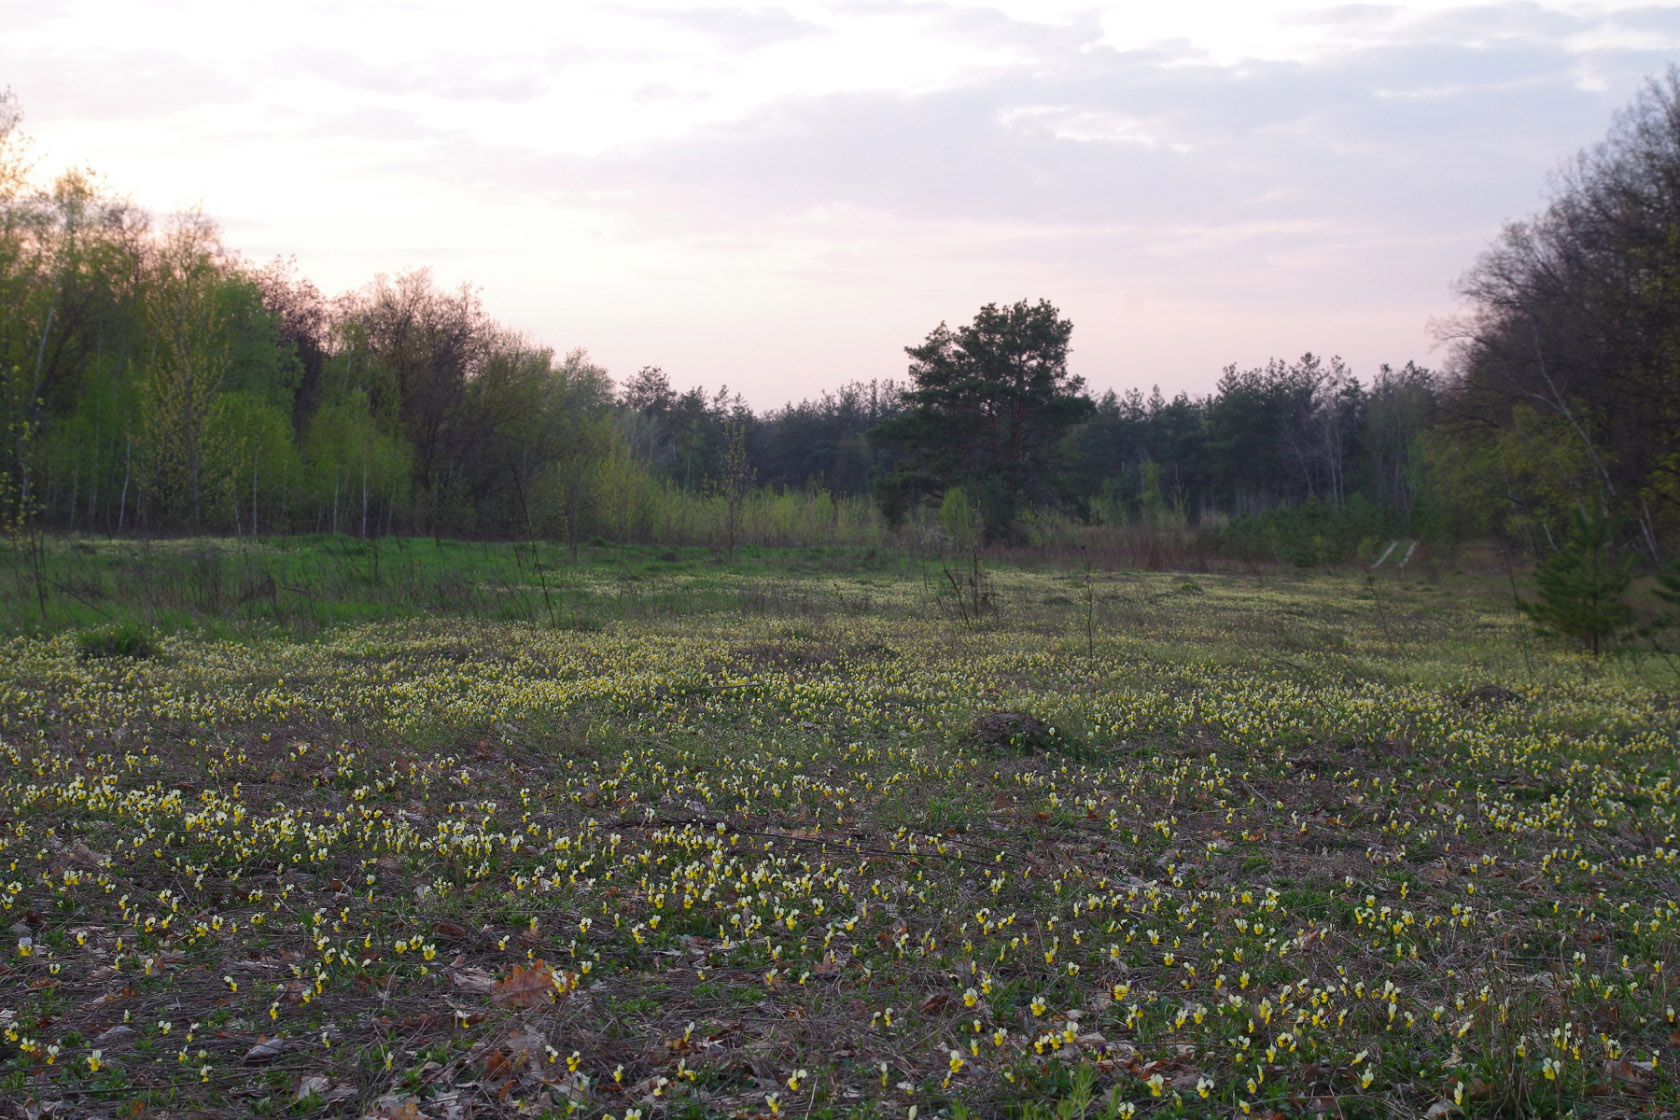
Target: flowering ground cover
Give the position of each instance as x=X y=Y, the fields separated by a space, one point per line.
x=1265 y=847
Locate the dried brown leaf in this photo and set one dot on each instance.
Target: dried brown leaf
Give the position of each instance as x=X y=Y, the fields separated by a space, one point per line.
x=524 y=987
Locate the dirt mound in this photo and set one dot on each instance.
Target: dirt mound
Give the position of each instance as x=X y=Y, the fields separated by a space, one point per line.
x=1017 y=731
x=1488 y=696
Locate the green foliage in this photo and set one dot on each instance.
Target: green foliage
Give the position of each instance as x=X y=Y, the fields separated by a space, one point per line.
x=251 y=462
x=304 y=582
x=991 y=404
x=260 y=363
x=1659 y=628
x=354 y=465
x=1582 y=587
x=189 y=328
x=898 y=494
x=960 y=518
x=737 y=480
x=1668 y=590
x=120 y=639
x=19 y=452
x=1568 y=359
x=1312 y=534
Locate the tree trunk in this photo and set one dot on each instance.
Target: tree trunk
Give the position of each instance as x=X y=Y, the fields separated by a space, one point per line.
x=128 y=465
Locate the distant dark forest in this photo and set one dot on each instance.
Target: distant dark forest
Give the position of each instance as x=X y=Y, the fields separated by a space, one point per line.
x=153 y=382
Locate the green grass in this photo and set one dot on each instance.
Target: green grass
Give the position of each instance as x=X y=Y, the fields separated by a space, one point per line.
x=306 y=584
x=1288 y=853
x=122 y=639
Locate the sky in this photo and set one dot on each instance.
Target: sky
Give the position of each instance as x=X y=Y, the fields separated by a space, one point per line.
x=781 y=197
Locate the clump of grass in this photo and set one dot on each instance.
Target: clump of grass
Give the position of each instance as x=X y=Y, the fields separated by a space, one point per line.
x=119 y=639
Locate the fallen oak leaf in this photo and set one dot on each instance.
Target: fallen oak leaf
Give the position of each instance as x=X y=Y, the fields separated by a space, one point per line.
x=390 y=1109
x=499 y=1065
x=525 y=987
x=1635 y=1078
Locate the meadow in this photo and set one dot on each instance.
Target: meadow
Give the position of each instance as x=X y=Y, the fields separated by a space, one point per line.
x=448 y=831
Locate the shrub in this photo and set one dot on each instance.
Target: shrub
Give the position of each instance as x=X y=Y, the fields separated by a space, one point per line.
x=1583 y=586
x=121 y=639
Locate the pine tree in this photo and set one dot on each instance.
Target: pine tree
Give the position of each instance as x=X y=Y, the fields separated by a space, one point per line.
x=1583 y=586
x=991 y=404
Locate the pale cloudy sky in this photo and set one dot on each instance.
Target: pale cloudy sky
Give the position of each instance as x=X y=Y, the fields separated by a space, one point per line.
x=782 y=196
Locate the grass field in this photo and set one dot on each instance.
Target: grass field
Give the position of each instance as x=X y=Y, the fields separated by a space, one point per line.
x=663 y=836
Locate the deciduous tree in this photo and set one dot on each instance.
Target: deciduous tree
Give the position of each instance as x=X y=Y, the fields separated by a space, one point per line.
x=1575 y=313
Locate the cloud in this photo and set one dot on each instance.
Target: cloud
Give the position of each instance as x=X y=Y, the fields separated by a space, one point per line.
x=1117 y=137
x=26 y=15
x=1421 y=132
x=1361 y=180
x=376 y=129
x=1661 y=19
x=966 y=149
x=1089 y=126
x=738 y=28
x=992 y=28
x=56 y=83
x=449 y=76
x=1348 y=16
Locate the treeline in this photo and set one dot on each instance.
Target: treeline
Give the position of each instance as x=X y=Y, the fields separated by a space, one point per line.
x=1569 y=358
x=155 y=382
x=152 y=381
x=1286 y=434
